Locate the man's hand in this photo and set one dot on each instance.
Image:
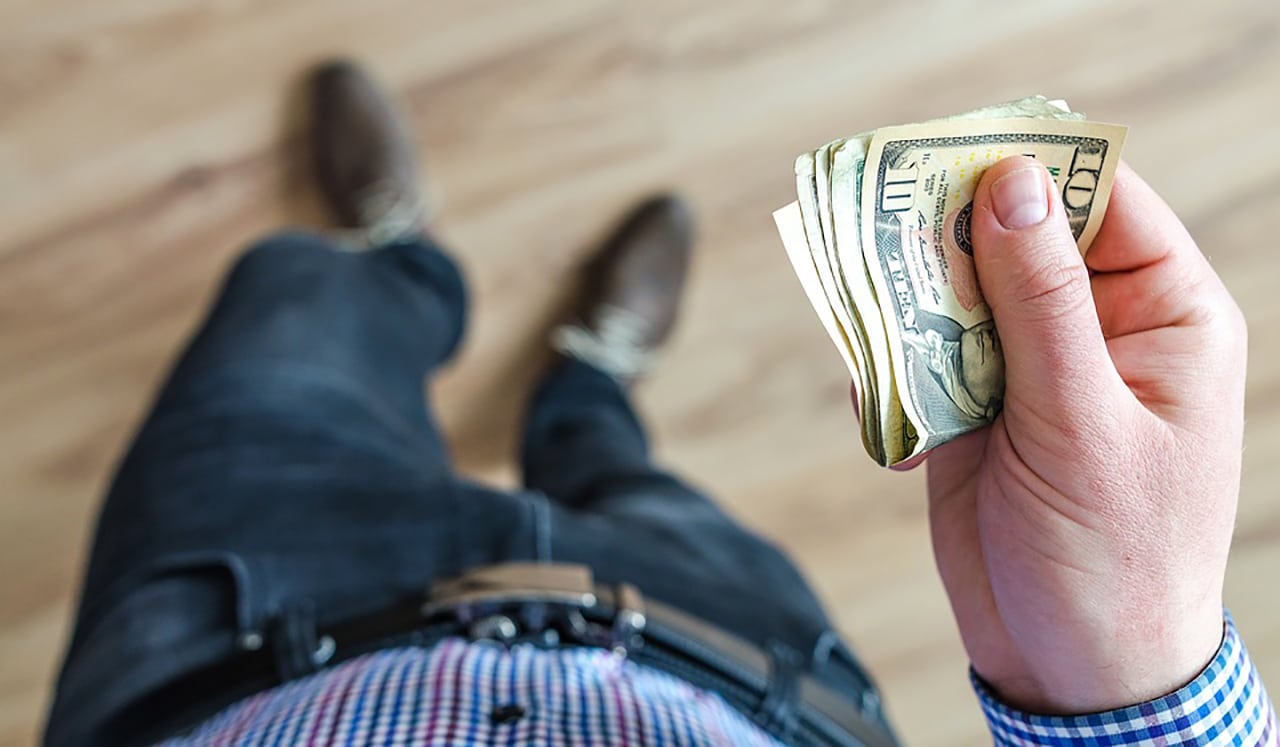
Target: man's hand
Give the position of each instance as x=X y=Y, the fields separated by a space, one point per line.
x=1083 y=536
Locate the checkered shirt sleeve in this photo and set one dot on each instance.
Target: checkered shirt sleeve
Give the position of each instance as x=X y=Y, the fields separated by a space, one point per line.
x=1226 y=705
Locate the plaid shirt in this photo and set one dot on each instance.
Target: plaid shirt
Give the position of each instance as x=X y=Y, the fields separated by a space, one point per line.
x=462 y=693
x=1225 y=706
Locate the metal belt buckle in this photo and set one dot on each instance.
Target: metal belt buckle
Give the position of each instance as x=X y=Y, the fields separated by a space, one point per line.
x=629 y=620
x=486 y=598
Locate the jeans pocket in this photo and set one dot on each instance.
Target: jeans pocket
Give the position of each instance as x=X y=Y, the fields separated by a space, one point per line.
x=166 y=619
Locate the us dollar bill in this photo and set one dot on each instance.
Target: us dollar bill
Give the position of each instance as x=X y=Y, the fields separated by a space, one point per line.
x=944 y=349
x=879 y=239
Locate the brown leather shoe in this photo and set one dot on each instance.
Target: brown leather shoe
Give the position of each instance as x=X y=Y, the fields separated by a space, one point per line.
x=633 y=291
x=364 y=159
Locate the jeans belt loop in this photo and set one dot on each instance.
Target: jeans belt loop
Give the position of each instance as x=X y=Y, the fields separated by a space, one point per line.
x=297 y=647
x=778 y=709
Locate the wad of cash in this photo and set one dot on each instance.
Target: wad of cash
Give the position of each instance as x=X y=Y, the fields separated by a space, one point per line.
x=879 y=238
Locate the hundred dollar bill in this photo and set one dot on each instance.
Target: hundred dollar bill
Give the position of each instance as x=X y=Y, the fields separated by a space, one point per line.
x=944 y=350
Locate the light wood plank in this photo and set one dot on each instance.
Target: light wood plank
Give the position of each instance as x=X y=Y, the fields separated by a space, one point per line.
x=144 y=142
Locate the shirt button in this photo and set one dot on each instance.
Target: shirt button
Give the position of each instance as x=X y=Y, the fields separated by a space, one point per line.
x=507 y=714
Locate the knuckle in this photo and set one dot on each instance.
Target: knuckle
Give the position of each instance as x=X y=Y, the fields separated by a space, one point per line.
x=1052 y=286
x=1223 y=319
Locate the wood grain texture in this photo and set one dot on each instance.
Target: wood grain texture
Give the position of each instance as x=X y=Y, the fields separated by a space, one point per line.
x=143 y=143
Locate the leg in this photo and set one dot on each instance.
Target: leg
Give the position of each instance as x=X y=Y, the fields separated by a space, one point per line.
x=300 y=322
x=582 y=438
x=290 y=463
x=293 y=429
x=634 y=522
x=309 y=370
x=312 y=361
x=585 y=447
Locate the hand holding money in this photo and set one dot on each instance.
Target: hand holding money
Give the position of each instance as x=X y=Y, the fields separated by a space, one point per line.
x=880 y=239
x=1085 y=412
x=1083 y=537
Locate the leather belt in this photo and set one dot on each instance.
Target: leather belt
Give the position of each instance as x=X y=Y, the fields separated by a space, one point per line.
x=619 y=617
x=545 y=602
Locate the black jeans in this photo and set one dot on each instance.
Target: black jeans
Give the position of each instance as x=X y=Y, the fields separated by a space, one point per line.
x=290 y=467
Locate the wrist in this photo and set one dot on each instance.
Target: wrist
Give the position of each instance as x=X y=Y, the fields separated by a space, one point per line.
x=1146 y=663
x=1227 y=698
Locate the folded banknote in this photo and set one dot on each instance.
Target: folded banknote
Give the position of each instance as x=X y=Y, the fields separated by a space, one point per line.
x=879 y=238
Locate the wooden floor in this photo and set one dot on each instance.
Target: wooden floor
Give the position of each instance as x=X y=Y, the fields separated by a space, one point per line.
x=144 y=142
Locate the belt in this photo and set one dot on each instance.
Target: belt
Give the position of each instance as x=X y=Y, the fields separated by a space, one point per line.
x=544 y=602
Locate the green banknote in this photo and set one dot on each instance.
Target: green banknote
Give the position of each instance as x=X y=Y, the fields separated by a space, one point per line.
x=880 y=240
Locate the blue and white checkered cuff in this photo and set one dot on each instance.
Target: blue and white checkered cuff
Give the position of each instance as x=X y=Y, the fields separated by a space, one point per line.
x=1226 y=705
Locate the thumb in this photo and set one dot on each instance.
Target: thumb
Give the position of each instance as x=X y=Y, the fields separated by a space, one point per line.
x=1035 y=280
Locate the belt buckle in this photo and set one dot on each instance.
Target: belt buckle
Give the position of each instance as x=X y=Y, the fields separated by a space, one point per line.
x=555 y=583
x=629 y=620
x=480 y=596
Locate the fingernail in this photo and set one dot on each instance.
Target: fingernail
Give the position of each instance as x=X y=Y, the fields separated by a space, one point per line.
x=1019 y=198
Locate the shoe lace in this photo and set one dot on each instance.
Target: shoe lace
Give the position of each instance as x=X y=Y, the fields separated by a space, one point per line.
x=385 y=217
x=614 y=343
